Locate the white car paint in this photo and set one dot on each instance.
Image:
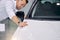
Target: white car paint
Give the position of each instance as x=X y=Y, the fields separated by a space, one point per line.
x=38 y=30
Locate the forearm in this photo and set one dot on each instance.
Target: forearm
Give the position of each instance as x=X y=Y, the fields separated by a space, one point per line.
x=15 y=19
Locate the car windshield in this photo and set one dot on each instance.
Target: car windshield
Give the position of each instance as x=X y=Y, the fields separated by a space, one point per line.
x=47 y=9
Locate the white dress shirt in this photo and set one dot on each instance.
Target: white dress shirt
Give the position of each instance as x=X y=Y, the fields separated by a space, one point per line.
x=3 y=14
x=7 y=9
x=11 y=8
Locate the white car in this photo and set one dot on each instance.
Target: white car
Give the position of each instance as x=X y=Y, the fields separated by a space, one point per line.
x=43 y=22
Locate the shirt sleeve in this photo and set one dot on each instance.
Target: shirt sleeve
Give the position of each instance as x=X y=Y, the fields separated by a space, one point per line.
x=9 y=9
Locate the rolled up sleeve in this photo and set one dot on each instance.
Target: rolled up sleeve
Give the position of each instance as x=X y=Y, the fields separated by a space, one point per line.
x=9 y=9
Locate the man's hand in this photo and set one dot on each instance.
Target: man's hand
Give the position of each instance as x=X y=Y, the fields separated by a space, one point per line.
x=23 y=24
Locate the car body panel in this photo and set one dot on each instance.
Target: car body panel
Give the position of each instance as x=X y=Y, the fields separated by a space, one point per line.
x=38 y=30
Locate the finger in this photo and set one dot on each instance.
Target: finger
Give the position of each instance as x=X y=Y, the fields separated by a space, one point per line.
x=25 y=25
x=25 y=22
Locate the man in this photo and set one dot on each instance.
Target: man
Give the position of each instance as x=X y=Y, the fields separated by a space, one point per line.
x=12 y=6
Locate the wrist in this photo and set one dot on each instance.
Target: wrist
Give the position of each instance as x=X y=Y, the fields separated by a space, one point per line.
x=18 y=23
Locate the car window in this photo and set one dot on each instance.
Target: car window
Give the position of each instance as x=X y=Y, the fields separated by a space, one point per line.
x=46 y=10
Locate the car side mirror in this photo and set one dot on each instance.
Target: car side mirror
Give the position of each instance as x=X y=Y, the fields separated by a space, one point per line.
x=20 y=14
